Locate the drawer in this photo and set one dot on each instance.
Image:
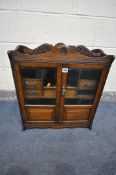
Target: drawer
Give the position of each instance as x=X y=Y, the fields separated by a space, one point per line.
x=79 y=113
x=87 y=84
x=49 y=92
x=40 y=114
x=71 y=92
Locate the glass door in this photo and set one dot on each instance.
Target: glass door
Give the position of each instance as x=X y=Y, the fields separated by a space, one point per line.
x=39 y=85
x=41 y=89
x=79 y=87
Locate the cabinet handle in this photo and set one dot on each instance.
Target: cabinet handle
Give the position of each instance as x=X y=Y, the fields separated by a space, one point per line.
x=63 y=89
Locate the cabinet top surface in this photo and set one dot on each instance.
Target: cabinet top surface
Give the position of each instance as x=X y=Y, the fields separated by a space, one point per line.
x=60 y=53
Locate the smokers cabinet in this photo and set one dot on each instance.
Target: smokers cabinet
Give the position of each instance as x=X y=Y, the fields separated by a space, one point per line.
x=58 y=86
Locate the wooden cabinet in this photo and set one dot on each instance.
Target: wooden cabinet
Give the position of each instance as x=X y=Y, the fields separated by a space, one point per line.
x=58 y=86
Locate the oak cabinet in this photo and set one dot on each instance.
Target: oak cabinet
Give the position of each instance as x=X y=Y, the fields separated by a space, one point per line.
x=58 y=86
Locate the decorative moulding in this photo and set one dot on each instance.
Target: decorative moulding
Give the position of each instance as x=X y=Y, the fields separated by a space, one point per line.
x=72 y=54
x=44 y=48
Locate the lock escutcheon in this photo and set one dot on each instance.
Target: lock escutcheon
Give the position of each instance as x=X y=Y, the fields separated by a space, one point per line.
x=63 y=89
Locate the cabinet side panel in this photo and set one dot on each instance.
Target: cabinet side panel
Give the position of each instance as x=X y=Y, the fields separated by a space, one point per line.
x=99 y=91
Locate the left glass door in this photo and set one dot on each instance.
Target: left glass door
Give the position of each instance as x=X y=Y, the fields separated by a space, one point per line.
x=39 y=85
x=40 y=88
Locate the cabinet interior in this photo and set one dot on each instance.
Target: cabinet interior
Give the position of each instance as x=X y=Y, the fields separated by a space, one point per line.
x=40 y=85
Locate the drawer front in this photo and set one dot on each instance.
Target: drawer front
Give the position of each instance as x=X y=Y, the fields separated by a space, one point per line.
x=76 y=114
x=40 y=114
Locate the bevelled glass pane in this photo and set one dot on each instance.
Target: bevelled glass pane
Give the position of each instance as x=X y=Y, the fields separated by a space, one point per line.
x=39 y=85
x=81 y=86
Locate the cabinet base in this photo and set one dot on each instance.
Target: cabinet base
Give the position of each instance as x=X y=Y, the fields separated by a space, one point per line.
x=80 y=124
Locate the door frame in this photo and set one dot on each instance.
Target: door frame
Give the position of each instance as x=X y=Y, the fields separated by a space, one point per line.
x=19 y=87
x=98 y=90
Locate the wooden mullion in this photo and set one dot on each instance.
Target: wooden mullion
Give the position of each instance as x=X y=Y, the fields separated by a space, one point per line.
x=63 y=83
x=57 y=116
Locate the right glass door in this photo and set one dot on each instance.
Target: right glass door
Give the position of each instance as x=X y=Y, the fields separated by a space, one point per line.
x=81 y=86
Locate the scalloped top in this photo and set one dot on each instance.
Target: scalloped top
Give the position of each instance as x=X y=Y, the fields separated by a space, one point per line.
x=61 y=48
x=60 y=53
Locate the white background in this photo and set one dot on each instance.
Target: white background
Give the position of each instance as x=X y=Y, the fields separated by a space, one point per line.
x=78 y=22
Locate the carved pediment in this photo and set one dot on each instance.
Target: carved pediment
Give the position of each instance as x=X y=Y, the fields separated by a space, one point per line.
x=60 y=53
x=61 y=49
